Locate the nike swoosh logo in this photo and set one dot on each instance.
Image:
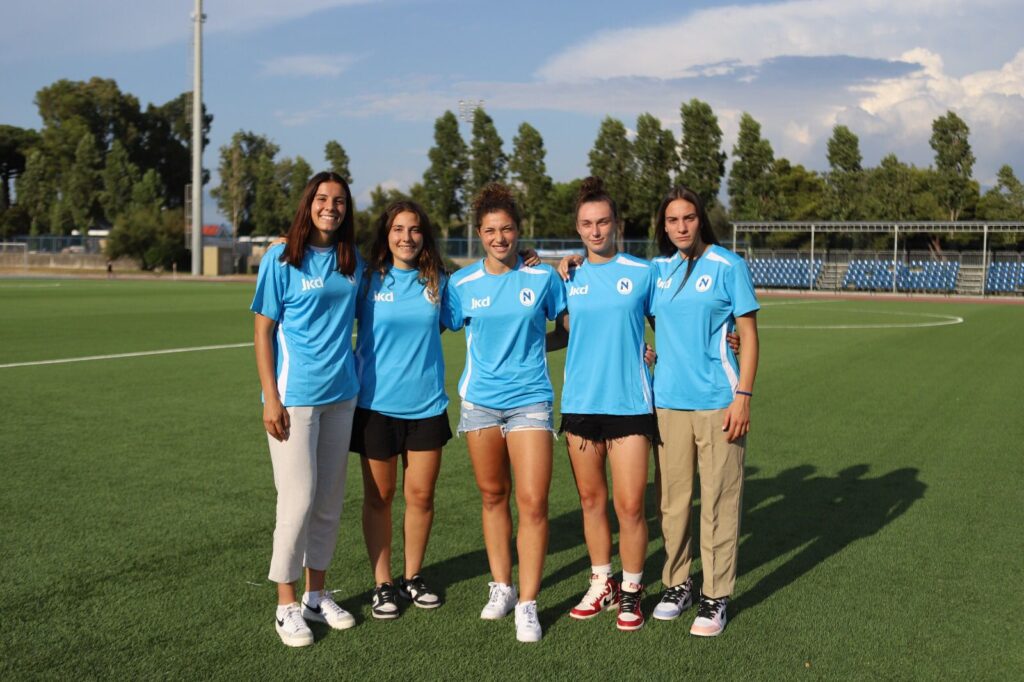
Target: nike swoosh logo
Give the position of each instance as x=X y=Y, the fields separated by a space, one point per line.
x=314 y=609
x=280 y=622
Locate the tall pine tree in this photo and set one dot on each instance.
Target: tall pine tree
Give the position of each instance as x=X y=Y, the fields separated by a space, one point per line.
x=530 y=178
x=701 y=159
x=445 y=178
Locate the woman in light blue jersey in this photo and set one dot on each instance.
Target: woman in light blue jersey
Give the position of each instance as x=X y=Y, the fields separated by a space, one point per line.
x=402 y=407
x=305 y=305
x=607 y=404
x=506 y=396
x=702 y=395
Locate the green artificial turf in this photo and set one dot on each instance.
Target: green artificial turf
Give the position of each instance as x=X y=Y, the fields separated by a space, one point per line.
x=881 y=535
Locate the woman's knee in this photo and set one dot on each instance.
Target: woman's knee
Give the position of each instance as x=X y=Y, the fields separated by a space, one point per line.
x=420 y=498
x=378 y=496
x=532 y=507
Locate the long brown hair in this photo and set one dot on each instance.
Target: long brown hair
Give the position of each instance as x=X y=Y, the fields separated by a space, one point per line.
x=705 y=233
x=302 y=225
x=428 y=263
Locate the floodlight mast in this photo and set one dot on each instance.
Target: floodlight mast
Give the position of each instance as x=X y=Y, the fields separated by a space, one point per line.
x=197 y=139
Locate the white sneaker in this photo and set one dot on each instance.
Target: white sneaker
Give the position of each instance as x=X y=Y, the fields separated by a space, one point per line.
x=501 y=600
x=291 y=628
x=328 y=612
x=527 y=624
x=674 y=600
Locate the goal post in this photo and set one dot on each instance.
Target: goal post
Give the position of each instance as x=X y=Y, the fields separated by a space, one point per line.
x=14 y=255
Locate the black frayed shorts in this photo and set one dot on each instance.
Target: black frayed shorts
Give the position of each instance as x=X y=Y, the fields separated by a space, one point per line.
x=598 y=428
x=378 y=436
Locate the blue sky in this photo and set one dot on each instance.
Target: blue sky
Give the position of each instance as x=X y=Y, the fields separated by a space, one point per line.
x=374 y=74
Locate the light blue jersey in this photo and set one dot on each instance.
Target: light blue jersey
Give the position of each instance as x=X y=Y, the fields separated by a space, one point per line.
x=505 y=318
x=696 y=368
x=314 y=307
x=605 y=371
x=398 y=349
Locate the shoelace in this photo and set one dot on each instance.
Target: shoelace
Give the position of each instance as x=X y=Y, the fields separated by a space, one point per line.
x=529 y=615
x=677 y=593
x=415 y=586
x=497 y=595
x=386 y=594
x=595 y=592
x=293 y=620
x=708 y=607
x=630 y=601
x=327 y=603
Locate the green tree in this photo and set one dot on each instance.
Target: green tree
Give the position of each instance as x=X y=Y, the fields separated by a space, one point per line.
x=37 y=190
x=954 y=162
x=167 y=145
x=119 y=175
x=299 y=173
x=1005 y=200
x=751 y=180
x=85 y=185
x=611 y=159
x=268 y=198
x=845 y=178
x=337 y=160
x=445 y=177
x=560 y=209
x=701 y=159
x=15 y=144
x=530 y=177
x=654 y=150
x=488 y=162
x=236 y=193
x=800 y=193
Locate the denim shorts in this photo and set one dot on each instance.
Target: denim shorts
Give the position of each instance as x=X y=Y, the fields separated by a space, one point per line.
x=537 y=416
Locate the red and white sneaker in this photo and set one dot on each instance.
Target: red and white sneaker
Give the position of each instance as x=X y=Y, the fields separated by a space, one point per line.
x=631 y=616
x=710 y=619
x=603 y=595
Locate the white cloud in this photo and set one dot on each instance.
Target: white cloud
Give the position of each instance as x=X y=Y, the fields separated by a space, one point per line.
x=313 y=65
x=719 y=40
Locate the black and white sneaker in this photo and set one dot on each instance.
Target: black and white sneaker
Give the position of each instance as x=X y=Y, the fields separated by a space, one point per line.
x=385 y=602
x=674 y=600
x=416 y=591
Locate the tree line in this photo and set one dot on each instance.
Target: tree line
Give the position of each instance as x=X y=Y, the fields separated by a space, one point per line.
x=101 y=160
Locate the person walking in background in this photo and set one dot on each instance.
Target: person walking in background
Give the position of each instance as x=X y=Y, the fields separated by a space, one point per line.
x=305 y=306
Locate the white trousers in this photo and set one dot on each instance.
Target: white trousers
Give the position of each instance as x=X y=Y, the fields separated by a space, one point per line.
x=309 y=474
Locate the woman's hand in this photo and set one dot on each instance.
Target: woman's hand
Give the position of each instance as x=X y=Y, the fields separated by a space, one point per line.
x=567 y=263
x=280 y=240
x=733 y=339
x=650 y=357
x=737 y=418
x=275 y=419
x=529 y=257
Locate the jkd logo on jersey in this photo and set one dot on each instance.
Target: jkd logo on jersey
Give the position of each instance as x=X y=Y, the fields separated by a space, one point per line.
x=664 y=283
x=703 y=283
x=480 y=303
x=315 y=283
x=579 y=291
x=527 y=297
x=381 y=297
x=624 y=286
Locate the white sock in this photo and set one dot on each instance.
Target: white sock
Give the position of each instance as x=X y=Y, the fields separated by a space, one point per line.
x=628 y=577
x=311 y=599
x=605 y=570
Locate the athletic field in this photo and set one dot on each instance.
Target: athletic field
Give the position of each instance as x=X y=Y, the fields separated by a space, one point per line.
x=883 y=531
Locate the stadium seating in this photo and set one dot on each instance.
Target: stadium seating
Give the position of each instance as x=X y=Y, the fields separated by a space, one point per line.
x=1004 y=277
x=918 y=275
x=787 y=273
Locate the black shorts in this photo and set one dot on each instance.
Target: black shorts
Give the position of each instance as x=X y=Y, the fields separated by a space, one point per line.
x=378 y=436
x=598 y=428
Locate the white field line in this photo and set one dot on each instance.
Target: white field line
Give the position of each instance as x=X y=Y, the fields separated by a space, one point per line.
x=116 y=356
x=938 y=321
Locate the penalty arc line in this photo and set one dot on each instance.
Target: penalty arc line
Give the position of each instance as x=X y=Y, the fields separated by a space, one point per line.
x=115 y=356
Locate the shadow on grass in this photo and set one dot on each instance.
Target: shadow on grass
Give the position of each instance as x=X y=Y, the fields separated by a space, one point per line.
x=796 y=511
x=816 y=517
